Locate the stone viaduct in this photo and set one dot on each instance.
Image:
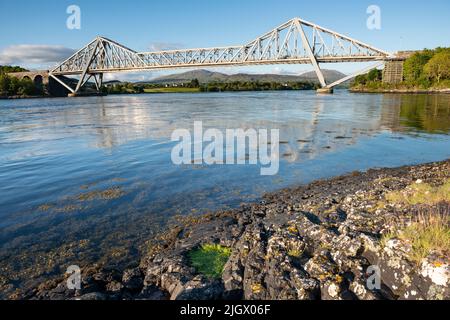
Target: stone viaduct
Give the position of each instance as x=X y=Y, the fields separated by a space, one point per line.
x=42 y=79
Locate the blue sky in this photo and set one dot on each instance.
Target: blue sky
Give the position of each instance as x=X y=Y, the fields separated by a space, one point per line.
x=144 y=25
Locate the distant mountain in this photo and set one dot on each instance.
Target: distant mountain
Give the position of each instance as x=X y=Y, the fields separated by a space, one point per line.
x=204 y=76
x=112 y=82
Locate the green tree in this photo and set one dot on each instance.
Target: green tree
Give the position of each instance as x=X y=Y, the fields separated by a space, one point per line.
x=194 y=84
x=360 y=80
x=438 y=67
x=26 y=87
x=374 y=75
x=4 y=84
x=11 y=69
x=413 y=67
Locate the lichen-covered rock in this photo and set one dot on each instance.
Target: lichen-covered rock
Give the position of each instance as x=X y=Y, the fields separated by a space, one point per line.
x=406 y=280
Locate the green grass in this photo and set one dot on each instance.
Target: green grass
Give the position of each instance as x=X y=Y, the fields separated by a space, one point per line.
x=210 y=260
x=430 y=232
x=421 y=193
x=426 y=238
x=172 y=90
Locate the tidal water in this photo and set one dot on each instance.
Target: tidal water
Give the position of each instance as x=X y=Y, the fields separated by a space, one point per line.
x=90 y=180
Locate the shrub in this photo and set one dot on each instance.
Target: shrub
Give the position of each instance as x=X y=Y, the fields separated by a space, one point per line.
x=438 y=67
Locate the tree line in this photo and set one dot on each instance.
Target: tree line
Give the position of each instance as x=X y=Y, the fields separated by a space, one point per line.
x=256 y=86
x=425 y=69
x=124 y=88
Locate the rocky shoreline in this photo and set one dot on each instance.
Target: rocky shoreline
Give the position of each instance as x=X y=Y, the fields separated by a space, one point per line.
x=312 y=242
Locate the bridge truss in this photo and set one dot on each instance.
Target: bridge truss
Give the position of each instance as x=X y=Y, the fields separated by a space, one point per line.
x=294 y=42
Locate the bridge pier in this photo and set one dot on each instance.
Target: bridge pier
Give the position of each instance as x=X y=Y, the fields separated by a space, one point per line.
x=86 y=94
x=325 y=91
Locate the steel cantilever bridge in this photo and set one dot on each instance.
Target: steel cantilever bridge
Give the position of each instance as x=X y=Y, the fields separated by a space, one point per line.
x=294 y=42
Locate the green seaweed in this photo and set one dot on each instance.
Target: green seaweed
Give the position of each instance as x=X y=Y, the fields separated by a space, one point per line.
x=210 y=259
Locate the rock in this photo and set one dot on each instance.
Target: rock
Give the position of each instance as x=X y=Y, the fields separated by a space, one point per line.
x=114 y=287
x=199 y=288
x=322 y=266
x=94 y=296
x=133 y=279
x=406 y=281
x=438 y=273
x=330 y=291
x=152 y=293
x=232 y=277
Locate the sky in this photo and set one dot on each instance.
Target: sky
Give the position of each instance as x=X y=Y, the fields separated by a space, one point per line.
x=34 y=34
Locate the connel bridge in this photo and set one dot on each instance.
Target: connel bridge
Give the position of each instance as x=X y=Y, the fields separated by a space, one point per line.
x=294 y=42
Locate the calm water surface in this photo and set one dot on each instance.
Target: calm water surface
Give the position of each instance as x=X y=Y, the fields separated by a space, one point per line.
x=89 y=180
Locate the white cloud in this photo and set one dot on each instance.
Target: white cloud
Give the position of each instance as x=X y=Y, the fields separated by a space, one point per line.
x=281 y=71
x=129 y=76
x=30 y=54
x=164 y=46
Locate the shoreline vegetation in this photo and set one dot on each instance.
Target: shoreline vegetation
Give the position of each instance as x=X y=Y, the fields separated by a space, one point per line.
x=194 y=86
x=426 y=71
x=14 y=88
x=317 y=241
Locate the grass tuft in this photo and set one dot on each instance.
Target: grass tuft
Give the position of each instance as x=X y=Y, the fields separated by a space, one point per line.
x=421 y=193
x=429 y=233
x=210 y=260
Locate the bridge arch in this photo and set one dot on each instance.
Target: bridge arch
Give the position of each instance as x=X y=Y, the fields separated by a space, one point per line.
x=38 y=81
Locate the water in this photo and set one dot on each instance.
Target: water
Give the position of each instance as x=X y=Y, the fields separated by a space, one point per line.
x=89 y=180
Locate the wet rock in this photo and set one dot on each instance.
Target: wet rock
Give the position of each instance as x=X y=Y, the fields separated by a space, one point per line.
x=94 y=296
x=133 y=279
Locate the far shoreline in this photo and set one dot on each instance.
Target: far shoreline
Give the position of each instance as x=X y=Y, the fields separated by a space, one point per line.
x=350 y=90
x=401 y=91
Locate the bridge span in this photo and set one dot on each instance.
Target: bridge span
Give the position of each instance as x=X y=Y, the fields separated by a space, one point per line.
x=294 y=42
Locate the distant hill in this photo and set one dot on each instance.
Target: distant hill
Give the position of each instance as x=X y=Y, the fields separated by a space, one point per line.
x=204 y=76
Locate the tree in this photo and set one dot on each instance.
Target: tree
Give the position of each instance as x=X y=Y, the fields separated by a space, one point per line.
x=374 y=75
x=360 y=80
x=11 y=69
x=194 y=84
x=438 y=67
x=413 y=67
x=26 y=87
x=4 y=84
